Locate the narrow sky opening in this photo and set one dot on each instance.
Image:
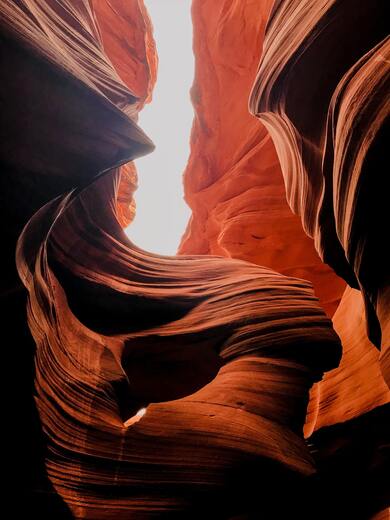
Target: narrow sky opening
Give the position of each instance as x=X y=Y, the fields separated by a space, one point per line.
x=162 y=214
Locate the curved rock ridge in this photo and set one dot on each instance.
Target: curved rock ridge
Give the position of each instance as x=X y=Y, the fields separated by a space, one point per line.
x=52 y=52
x=66 y=35
x=79 y=38
x=221 y=353
x=178 y=386
x=59 y=130
x=127 y=38
x=329 y=133
x=233 y=182
x=356 y=386
x=98 y=306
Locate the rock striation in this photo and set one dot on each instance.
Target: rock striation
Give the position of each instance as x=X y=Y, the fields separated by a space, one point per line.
x=156 y=386
x=329 y=133
x=320 y=92
x=59 y=130
x=233 y=181
x=230 y=348
x=160 y=383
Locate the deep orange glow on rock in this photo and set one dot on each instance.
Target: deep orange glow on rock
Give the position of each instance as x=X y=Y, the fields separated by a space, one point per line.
x=212 y=383
x=233 y=181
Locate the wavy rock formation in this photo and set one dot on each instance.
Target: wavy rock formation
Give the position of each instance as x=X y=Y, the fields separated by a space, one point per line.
x=59 y=129
x=356 y=386
x=329 y=133
x=179 y=386
x=321 y=93
x=127 y=39
x=220 y=353
x=233 y=182
x=105 y=315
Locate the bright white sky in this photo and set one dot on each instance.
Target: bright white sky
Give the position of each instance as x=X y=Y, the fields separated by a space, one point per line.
x=162 y=214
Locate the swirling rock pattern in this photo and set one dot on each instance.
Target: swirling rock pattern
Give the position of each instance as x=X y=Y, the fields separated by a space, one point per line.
x=356 y=386
x=221 y=353
x=329 y=133
x=321 y=93
x=233 y=182
x=104 y=310
x=174 y=386
x=127 y=39
x=59 y=129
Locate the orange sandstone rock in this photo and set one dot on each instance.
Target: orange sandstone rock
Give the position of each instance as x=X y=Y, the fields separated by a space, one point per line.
x=125 y=203
x=221 y=353
x=329 y=132
x=356 y=386
x=233 y=182
x=127 y=37
x=240 y=345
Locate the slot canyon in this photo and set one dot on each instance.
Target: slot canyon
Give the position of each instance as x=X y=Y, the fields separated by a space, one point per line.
x=247 y=376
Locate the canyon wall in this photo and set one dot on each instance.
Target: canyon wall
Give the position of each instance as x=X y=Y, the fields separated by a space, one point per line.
x=320 y=94
x=127 y=39
x=329 y=134
x=237 y=189
x=59 y=129
x=233 y=181
x=156 y=386
x=114 y=329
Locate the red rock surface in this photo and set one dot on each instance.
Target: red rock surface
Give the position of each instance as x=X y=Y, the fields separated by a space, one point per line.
x=233 y=182
x=220 y=352
x=108 y=303
x=357 y=385
x=59 y=130
x=382 y=515
x=232 y=179
x=127 y=38
x=117 y=328
x=330 y=136
x=128 y=183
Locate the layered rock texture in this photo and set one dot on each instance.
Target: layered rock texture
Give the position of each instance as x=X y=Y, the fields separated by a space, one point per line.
x=320 y=92
x=233 y=181
x=117 y=329
x=329 y=134
x=157 y=386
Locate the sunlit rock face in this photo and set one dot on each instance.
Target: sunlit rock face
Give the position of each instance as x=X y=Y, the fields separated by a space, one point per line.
x=175 y=387
x=357 y=385
x=162 y=384
x=321 y=93
x=127 y=40
x=231 y=348
x=233 y=181
x=321 y=90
